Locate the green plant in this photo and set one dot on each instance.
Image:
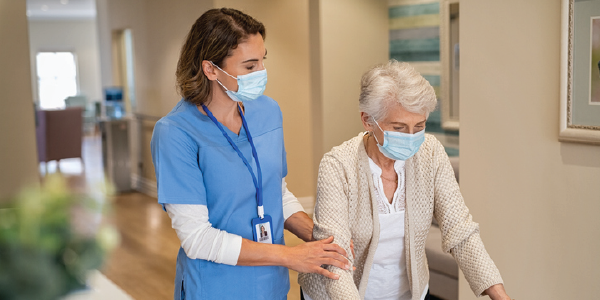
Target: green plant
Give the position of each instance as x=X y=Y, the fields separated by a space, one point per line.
x=50 y=238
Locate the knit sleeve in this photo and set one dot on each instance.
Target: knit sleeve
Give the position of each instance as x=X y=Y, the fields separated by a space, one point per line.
x=331 y=219
x=460 y=234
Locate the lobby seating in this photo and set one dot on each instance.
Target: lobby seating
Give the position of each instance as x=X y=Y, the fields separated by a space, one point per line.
x=90 y=111
x=59 y=134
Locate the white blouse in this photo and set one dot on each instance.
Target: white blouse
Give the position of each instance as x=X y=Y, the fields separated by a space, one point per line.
x=399 y=199
x=388 y=278
x=200 y=240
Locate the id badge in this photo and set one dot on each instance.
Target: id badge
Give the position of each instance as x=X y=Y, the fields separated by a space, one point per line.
x=262 y=230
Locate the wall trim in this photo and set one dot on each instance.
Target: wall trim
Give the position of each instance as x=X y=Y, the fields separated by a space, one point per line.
x=144 y=185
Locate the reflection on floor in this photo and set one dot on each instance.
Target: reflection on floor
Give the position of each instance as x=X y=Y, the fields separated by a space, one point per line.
x=143 y=265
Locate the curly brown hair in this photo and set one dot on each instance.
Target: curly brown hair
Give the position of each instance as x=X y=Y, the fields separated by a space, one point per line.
x=213 y=37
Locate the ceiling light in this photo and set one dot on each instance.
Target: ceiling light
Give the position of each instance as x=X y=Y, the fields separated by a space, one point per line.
x=64 y=1
x=45 y=8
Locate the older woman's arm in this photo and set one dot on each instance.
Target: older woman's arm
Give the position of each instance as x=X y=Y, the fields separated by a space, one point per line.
x=331 y=219
x=460 y=235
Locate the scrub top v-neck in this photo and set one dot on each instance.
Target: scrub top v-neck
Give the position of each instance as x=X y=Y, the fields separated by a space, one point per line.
x=195 y=164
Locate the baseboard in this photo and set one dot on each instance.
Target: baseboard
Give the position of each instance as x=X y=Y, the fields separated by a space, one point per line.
x=308 y=203
x=144 y=185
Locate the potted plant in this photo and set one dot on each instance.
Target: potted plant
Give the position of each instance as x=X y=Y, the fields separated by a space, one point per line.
x=50 y=238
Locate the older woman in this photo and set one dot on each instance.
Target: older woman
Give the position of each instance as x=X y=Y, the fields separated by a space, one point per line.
x=382 y=188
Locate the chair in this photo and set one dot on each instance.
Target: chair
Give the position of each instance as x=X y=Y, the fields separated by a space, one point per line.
x=76 y=101
x=59 y=134
x=89 y=111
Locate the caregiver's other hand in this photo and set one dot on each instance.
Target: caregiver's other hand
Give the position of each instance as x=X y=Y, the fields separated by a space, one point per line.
x=352 y=249
x=308 y=257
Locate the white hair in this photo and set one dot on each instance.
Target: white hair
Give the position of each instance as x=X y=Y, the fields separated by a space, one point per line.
x=395 y=83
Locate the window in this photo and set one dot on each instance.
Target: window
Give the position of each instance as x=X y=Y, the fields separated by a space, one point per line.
x=57 y=78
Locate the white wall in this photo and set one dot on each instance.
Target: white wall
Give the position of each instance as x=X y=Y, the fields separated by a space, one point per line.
x=18 y=154
x=537 y=199
x=78 y=36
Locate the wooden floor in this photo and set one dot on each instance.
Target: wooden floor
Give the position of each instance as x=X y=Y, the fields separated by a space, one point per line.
x=143 y=265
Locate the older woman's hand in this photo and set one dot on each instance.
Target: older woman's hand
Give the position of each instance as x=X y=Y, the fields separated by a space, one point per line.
x=497 y=292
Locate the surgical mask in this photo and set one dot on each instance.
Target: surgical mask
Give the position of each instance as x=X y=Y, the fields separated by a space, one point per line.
x=250 y=86
x=398 y=145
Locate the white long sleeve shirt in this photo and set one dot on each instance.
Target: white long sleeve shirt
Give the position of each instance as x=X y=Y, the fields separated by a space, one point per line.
x=200 y=240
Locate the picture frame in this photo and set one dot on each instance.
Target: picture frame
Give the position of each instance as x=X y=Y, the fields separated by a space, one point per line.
x=450 y=62
x=580 y=46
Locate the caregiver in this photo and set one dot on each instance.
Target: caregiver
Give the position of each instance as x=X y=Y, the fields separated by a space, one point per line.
x=220 y=166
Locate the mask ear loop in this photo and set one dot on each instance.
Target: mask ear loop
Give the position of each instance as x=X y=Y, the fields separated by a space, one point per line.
x=218 y=81
x=223 y=70
x=373 y=132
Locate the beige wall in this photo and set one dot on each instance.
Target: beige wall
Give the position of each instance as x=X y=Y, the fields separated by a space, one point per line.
x=318 y=50
x=18 y=154
x=354 y=36
x=168 y=23
x=286 y=23
x=114 y=16
x=537 y=200
x=345 y=39
x=78 y=36
x=351 y=35
x=158 y=28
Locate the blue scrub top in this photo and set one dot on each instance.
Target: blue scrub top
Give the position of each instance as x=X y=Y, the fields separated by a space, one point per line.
x=195 y=164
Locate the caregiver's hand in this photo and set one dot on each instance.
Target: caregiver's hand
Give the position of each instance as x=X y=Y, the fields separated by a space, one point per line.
x=308 y=257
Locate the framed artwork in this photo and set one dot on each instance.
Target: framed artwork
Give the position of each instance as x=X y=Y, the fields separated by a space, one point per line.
x=580 y=72
x=450 y=61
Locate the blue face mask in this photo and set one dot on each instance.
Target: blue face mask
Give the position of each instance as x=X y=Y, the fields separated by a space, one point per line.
x=398 y=145
x=250 y=86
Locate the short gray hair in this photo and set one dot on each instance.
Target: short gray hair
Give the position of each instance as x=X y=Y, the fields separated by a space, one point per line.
x=395 y=83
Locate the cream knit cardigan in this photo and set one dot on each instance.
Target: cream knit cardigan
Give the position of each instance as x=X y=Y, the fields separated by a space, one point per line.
x=347 y=209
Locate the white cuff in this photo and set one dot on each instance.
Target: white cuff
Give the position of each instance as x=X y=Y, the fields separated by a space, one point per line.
x=232 y=247
x=291 y=205
x=291 y=208
x=199 y=239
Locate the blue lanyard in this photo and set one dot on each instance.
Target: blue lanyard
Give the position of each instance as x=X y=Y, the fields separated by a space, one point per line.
x=257 y=183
